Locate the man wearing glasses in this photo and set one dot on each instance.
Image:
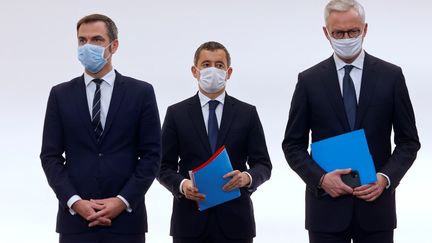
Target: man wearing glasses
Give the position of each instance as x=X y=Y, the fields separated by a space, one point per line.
x=351 y=90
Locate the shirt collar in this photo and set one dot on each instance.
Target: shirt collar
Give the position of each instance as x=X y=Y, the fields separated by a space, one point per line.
x=204 y=99
x=358 y=62
x=108 y=78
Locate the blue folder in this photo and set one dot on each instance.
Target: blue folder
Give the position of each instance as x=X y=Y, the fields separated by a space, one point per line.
x=208 y=178
x=349 y=150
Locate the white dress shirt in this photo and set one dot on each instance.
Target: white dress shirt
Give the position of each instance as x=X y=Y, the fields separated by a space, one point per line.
x=106 y=90
x=205 y=108
x=356 y=76
x=356 y=72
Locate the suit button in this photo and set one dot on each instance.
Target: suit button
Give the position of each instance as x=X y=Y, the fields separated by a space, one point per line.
x=100 y=154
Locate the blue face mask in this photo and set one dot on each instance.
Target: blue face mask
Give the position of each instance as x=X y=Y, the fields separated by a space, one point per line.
x=92 y=57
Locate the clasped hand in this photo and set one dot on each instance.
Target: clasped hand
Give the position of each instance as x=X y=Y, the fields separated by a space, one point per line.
x=99 y=212
x=238 y=180
x=335 y=187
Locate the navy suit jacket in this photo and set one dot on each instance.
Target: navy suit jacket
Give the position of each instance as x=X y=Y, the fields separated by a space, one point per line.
x=125 y=161
x=317 y=107
x=185 y=146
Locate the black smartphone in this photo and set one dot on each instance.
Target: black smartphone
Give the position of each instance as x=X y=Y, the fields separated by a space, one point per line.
x=352 y=179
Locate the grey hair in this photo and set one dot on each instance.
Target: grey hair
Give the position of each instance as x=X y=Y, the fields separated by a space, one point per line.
x=343 y=6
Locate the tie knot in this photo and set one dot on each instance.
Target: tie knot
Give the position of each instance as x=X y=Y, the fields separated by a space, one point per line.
x=348 y=68
x=213 y=104
x=97 y=81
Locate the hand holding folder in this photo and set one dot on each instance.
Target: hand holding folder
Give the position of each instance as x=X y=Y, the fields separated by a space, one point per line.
x=208 y=178
x=349 y=150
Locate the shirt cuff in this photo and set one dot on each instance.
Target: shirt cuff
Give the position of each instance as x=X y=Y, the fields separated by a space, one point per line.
x=250 y=178
x=387 y=178
x=181 y=186
x=128 y=208
x=71 y=201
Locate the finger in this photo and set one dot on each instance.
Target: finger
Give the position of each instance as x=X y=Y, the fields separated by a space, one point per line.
x=93 y=223
x=199 y=196
x=104 y=221
x=98 y=201
x=231 y=174
x=191 y=189
x=373 y=198
x=230 y=185
x=196 y=197
x=97 y=206
x=334 y=194
x=367 y=190
x=345 y=189
x=96 y=215
x=376 y=194
x=244 y=180
x=372 y=195
x=342 y=171
x=366 y=197
x=362 y=188
x=101 y=222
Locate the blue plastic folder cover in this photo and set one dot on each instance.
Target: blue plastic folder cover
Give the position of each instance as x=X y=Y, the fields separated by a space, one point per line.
x=208 y=178
x=349 y=150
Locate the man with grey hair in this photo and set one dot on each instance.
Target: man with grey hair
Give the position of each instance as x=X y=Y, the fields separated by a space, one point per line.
x=351 y=90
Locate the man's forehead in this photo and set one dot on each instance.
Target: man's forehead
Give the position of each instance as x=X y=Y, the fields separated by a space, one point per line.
x=344 y=21
x=212 y=55
x=349 y=15
x=93 y=27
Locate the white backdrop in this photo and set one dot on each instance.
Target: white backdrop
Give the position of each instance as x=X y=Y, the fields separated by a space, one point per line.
x=270 y=43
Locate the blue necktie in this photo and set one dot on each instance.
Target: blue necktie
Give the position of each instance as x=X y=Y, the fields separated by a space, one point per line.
x=213 y=124
x=96 y=120
x=349 y=96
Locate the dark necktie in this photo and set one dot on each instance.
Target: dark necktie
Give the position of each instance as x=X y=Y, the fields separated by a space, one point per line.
x=212 y=124
x=96 y=118
x=349 y=96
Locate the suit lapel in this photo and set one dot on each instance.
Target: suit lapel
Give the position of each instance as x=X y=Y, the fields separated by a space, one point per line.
x=116 y=99
x=80 y=97
x=195 y=113
x=367 y=89
x=330 y=81
x=228 y=115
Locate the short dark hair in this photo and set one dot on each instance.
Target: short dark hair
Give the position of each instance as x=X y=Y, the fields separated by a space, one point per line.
x=111 y=26
x=212 y=46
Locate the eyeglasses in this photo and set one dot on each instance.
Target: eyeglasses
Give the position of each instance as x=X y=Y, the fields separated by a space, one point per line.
x=340 y=34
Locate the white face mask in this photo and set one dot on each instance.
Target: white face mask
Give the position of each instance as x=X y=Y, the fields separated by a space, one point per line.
x=347 y=48
x=212 y=80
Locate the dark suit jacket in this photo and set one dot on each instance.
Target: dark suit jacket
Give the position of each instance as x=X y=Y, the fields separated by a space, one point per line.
x=125 y=162
x=185 y=146
x=317 y=107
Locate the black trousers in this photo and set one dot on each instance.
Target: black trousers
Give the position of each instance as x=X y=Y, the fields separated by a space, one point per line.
x=102 y=236
x=354 y=233
x=211 y=234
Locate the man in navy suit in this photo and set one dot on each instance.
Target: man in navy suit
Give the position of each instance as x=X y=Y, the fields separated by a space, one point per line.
x=351 y=90
x=193 y=129
x=101 y=144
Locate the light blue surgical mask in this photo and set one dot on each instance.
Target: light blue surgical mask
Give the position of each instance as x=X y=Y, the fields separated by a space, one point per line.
x=92 y=57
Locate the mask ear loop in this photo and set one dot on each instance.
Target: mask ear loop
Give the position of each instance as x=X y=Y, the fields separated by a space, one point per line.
x=110 y=54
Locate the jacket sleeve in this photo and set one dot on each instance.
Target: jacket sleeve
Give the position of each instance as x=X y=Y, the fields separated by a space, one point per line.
x=258 y=158
x=169 y=176
x=149 y=149
x=296 y=140
x=405 y=135
x=53 y=161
